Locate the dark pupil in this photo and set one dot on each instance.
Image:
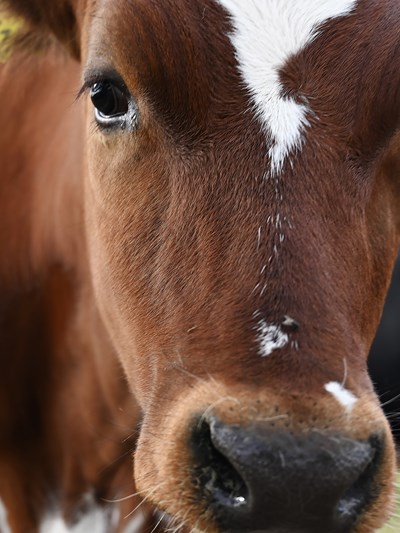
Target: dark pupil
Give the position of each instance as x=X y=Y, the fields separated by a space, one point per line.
x=108 y=99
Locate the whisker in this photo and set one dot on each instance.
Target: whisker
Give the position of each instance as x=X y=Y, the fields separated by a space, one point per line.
x=388 y=402
x=213 y=405
x=158 y=523
x=145 y=499
x=345 y=372
x=188 y=373
x=123 y=499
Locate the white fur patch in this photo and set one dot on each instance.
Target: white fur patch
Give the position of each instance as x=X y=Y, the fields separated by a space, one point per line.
x=270 y=337
x=54 y=524
x=97 y=520
x=342 y=395
x=266 y=33
x=4 y=526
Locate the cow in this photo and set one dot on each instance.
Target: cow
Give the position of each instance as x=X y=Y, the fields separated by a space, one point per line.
x=199 y=206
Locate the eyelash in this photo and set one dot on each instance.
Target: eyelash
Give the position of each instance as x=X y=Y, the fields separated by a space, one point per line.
x=114 y=106
x=99 y=78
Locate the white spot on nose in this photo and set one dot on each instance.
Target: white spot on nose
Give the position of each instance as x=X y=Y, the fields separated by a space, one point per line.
x=266 y=33
x=4 y=526
x=270 y=338
x=345 y=397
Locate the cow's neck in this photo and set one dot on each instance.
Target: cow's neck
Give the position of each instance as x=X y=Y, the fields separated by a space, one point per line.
x=55 y=354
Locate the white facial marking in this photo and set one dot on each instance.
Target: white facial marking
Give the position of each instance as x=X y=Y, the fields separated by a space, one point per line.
x=270 y=337
x=4 y=526
x=266 y=33
x=342 y=395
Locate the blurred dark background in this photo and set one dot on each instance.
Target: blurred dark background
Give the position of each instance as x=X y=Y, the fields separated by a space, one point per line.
x=384 y=361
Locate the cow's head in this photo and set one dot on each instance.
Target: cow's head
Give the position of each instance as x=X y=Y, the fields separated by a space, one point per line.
x=242 y=217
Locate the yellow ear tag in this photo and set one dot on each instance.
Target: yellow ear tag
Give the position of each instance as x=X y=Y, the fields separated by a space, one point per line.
x=9 y=26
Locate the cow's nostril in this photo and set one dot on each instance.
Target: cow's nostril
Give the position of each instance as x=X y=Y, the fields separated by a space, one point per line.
x=258 y=479
x=364 y=490
x=217 y=477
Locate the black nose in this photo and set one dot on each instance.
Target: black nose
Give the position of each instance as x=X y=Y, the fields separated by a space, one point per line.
x=259 y=480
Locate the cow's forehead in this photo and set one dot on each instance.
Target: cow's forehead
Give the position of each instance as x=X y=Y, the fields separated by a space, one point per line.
x=220 y=62
x=266 y=34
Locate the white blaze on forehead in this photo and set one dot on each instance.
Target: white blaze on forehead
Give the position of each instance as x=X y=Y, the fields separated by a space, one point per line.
x=345 y=397
x=4 y=526
x=270 y=338
x=265 y=34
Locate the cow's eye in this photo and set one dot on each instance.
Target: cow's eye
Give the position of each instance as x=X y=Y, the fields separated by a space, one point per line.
x=110 y=102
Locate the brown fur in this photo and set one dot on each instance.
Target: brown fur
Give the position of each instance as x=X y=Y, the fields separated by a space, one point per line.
x=144 y=247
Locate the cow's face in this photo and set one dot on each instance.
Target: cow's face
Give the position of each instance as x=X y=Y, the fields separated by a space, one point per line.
x=242 y=226
x=241 y=213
